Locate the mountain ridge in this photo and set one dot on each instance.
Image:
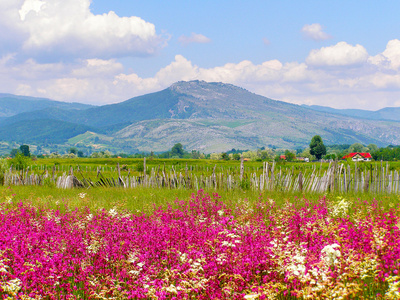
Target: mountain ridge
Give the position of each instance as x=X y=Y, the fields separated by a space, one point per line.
x=208 y=116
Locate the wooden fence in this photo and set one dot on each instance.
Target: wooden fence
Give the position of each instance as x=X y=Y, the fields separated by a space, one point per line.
x=337 y=177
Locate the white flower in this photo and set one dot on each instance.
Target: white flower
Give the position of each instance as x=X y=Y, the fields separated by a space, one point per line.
x=132 y=258
x=12 y=287
x=134 y=272
x=50 y=217
x=82 y=195
x=221 y=212
x=183 y=257
x=251 y=296
x=94 y=247
x=228 y=244
x=221 y=258
x=330 y=254
x=394 y=286
x=172 y=289
x=341 y=208
x=3 y=267
x=89 y=217
x=232 y=235
x=113 y=212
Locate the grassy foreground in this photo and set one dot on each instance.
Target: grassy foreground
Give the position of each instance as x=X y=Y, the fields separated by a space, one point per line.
x=147 y=199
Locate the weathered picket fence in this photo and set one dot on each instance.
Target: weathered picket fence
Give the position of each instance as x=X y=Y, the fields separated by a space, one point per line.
x=338 y=177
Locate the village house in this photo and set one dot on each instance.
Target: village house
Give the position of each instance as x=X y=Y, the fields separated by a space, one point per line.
x=358 y=156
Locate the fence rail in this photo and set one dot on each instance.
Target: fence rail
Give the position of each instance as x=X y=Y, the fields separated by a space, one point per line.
x=337 y=178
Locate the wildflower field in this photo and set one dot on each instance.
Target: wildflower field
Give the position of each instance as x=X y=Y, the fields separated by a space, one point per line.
x=199 y=247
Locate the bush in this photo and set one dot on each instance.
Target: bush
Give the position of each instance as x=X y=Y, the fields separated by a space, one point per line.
x=3 y=170
x=139 y=167
x=20 y=162
x=245 y=184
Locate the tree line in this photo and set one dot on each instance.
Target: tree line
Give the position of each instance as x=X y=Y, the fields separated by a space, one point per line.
x=315 y=151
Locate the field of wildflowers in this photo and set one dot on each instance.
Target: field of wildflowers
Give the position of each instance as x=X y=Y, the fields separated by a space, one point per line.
x=200 y=249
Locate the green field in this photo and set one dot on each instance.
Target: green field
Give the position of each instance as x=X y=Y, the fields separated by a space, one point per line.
x=147 y=198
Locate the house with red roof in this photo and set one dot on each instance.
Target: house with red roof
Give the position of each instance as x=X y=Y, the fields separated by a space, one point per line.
x=358 y=156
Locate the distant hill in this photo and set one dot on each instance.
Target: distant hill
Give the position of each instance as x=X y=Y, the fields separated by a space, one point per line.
x=11 y=105
x=41 y=131
x=202 y=116
x=387 y=113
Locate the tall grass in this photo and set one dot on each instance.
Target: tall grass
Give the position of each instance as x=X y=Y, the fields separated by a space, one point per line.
x=137 y=200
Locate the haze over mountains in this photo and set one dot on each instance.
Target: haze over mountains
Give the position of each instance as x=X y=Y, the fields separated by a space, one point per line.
x=202 y=116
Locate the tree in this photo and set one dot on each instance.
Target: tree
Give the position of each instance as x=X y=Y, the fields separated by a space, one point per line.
x=177 y=150
x=25 y=150
x=357 y=147
x=372 y=148
x=289 y=155
x=14 y=152
x=20 y=161
x=195 y=154
x=306 y=154
x=317 y=147
x=236 y=156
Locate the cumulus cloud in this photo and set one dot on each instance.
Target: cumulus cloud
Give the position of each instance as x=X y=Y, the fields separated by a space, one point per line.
x=55 y=28
x=194 y=38
x=86 y=81
x=315 y=32
x=342 y=76
x=341 y=54
x=244 y=73
x=390 y=58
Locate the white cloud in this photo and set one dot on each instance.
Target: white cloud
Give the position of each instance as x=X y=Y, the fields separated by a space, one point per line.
x=389 y=58
x=30 y=6
x=106 y=68
x=358 y=82
x=341 y=54
x=315 y=32
x=48 y=29
x=194 y=38
x=244 y=73
x=86 y=81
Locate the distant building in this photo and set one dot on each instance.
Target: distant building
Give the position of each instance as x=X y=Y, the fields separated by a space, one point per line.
x=358 y=156
x=283 y=157
x=306 y=159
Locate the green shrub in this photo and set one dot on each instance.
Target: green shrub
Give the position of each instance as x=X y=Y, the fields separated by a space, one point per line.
x=3 y=169
x=245 y=184
x=139 y=167
x=20 y=162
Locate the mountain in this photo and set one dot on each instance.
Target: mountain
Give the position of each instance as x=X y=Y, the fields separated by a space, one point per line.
x=203 y=116
x=11 y=105
x=44 y=131
x=387 y=113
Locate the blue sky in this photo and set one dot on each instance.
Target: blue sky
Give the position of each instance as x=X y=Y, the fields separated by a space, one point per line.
x=343 y=54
